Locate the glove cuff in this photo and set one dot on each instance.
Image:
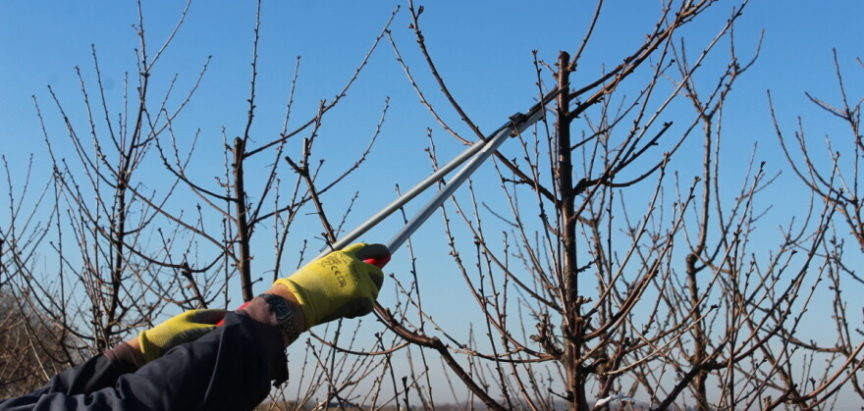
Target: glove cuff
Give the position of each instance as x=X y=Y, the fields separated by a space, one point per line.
x=149 y=350
x=127 y=358
x=310 y=315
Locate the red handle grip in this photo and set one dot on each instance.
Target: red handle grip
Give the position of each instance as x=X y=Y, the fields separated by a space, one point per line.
x=378 y=262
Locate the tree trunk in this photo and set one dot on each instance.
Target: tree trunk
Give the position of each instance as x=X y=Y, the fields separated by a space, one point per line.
x=243 y=262
x=572 y=325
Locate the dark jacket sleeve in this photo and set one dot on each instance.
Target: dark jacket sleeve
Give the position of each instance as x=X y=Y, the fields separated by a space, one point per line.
x=228 y=369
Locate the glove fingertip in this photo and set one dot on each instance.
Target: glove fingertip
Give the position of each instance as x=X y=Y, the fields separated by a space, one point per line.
x=360 y=307
x=354 y=249
x=373 y=250
x=210 y=316
x=377 y=278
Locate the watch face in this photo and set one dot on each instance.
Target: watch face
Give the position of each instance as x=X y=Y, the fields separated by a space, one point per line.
x=282 y=311
x=280 y=308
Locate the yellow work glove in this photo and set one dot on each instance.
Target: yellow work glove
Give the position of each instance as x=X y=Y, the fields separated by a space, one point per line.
x=177 y=330
x=338 y=285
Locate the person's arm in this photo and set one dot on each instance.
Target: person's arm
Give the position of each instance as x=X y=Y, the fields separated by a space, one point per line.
x=97 y=372
x=230 y=368
x=104 y=370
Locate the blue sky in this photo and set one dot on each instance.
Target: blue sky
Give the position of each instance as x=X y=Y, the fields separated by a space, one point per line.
x=482 y=48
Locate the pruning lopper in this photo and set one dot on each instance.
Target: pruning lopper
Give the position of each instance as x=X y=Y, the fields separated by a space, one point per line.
x=472 y=158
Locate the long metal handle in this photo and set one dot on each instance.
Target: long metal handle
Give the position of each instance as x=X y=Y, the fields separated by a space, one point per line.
x=477 y=154
x=407 y=196
x=513 y=128
x=448 y=190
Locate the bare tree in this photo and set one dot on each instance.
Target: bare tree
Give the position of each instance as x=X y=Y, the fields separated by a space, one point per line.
x=660 y=306
x=832 y=178
x=611 y=267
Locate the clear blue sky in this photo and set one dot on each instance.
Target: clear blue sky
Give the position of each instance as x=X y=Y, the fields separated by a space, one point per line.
x=483 y=49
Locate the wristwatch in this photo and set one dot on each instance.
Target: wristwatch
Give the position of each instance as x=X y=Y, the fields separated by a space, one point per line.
x=284 y=316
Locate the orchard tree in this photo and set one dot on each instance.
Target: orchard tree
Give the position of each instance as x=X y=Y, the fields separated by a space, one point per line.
x=613 y=265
